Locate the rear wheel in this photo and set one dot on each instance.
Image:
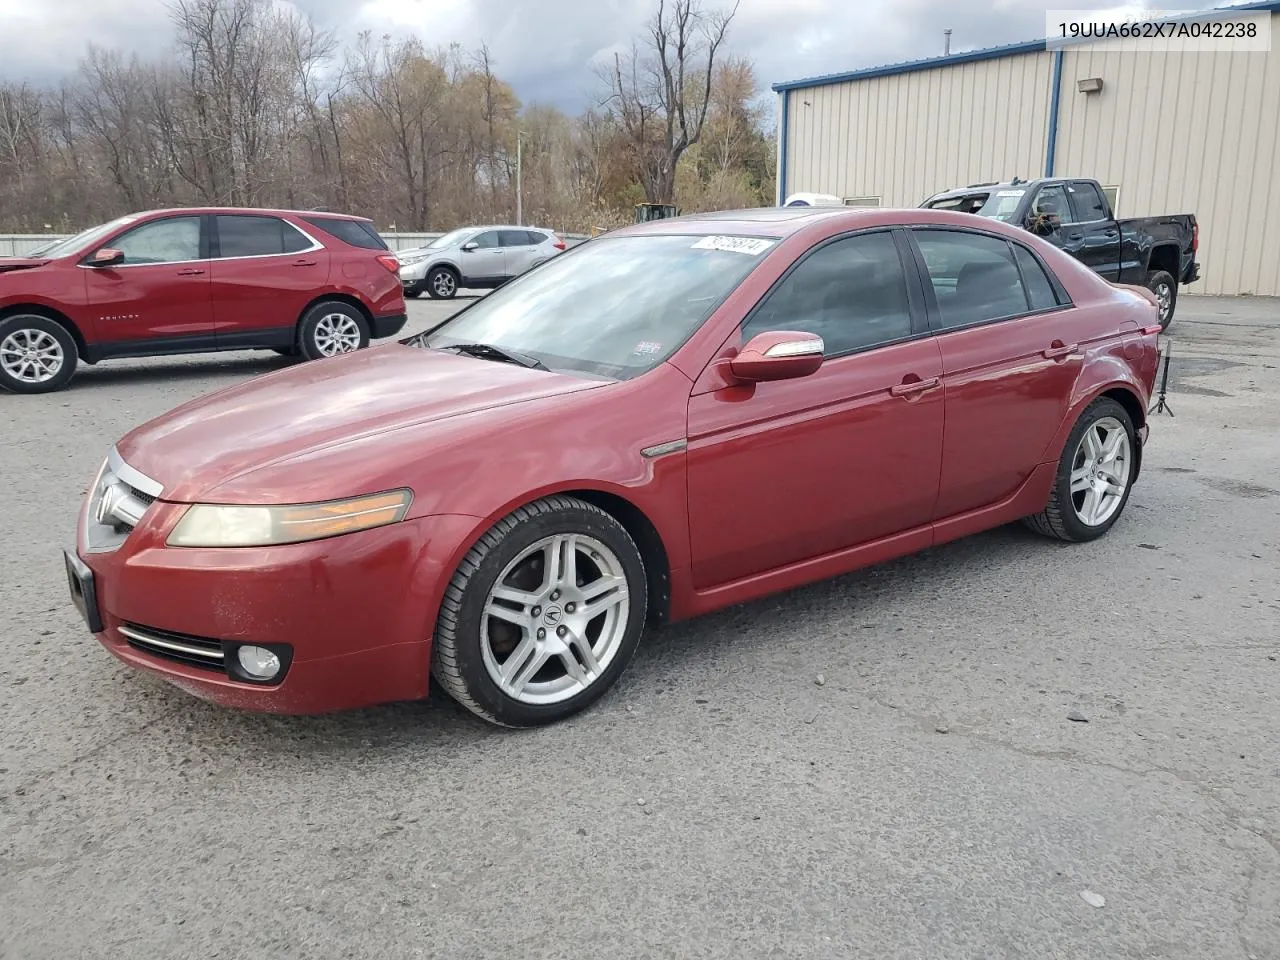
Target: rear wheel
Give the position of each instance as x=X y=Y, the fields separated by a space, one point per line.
x=37 y=354
x=442 y=283
x=331 y=328
x=542 y=615
x=1095 y=475
x=1165 y=288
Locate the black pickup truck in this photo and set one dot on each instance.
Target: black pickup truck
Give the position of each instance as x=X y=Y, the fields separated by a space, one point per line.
x=1155 y=252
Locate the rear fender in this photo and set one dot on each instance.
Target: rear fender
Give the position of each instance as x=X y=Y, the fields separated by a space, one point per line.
x=1107 y=375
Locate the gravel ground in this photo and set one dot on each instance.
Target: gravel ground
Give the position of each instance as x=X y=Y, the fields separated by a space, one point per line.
x=879 y=766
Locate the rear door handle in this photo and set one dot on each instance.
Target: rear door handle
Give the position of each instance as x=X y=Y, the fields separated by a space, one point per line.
x=905 y=389
x=1059 y=350
x=192 y=272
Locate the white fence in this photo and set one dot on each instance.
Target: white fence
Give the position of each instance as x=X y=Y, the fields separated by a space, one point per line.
x=18 y=244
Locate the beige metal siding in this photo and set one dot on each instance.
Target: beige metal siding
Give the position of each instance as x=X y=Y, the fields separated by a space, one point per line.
x=906 y=136
x=1186 y=133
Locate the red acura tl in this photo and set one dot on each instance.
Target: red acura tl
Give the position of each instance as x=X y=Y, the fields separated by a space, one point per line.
x=666 y=420
x=195 y=281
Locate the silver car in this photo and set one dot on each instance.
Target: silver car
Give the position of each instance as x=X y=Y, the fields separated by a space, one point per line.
x=476 y=258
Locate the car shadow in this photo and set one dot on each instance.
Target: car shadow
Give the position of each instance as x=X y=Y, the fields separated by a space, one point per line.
x=117 y=372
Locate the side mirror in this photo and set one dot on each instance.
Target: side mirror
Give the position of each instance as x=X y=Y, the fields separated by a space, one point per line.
x=469 y=246
x=1044 y=224
x=778 y=355
x=106 y=257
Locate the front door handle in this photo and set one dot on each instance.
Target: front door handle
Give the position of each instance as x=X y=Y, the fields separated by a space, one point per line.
x=907 y=388
x=191 y=272
x=304 y=263
x=1060 y=350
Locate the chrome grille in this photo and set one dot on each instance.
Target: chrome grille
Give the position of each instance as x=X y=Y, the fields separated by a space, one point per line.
x=197 y=651
x=119 y=499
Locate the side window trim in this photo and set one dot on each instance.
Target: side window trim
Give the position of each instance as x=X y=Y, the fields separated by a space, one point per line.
x=919 y=321
x=935 y=313
x=203 y=220
x=215 y=240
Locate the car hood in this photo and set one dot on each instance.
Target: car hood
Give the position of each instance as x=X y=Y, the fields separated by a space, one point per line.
x=9 y=264
x=237 y=445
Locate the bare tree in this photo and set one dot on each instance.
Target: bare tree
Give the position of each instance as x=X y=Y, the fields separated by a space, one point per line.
x=660 y=94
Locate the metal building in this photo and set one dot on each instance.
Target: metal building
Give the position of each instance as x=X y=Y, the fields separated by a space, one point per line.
x=1171 y=131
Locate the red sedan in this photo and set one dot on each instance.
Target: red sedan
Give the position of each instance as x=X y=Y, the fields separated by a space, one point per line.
x=195 y=281
x=666 y=420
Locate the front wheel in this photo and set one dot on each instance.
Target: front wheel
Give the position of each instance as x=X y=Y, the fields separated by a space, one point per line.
x=37 y=355
x=1165 y=288
x=331 y=328
x=542 y=615
x=442 y=283
x=1095 y=475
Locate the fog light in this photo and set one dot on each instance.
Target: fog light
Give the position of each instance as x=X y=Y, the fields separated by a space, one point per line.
x=258 y=662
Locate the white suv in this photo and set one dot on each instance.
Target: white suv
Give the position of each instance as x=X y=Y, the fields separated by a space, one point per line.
x=476 y=258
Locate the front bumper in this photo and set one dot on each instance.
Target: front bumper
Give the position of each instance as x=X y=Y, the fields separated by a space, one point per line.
x=355 y=613
x=413 y=273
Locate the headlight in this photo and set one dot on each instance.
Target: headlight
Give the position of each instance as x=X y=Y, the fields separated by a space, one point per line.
x=220 y=525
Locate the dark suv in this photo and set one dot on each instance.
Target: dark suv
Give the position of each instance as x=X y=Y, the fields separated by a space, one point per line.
x=192 y=281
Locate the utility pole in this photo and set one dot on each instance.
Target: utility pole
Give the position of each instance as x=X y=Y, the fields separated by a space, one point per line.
x=946 y=42
x=519 y=179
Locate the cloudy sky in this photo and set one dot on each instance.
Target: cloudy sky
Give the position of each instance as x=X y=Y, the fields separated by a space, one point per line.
x=546 y=48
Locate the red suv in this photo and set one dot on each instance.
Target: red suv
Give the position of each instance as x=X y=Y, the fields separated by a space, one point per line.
x=193 y=281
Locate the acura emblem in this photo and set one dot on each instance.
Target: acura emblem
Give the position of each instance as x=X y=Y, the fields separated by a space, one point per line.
x=552 y=616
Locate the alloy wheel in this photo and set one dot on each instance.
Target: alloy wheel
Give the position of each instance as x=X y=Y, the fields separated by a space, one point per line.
x=555 y=619
x=1100 y=471
x=336 y=333
x=30 y=355
x=444 y=284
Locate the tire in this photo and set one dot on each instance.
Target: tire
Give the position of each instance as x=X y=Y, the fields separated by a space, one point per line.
x=1066 y=516
x=414 y=290
x=37 y=354
x=285 y=351
x=330 y=328
x=472 y=647
x=441 y=283
x=1162 y=284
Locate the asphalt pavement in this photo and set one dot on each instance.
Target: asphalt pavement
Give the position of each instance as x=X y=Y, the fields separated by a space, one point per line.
x=879 y=766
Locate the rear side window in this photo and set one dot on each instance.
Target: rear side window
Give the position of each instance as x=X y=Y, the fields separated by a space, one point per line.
x=1088 y=202
x=1039 y=289
x=355 y=233
x=250 y=236
x=519 y=238
x=852 y=293
x=974 y=277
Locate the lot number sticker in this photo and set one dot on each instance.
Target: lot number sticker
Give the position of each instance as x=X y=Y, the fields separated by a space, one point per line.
x=751 y=246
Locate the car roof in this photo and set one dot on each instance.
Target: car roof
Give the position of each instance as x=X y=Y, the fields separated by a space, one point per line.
x=985 y=188
x=249 y=211
x=770 y=221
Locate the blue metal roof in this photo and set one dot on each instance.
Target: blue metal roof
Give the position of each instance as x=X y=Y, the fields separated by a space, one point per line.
x=986 y=53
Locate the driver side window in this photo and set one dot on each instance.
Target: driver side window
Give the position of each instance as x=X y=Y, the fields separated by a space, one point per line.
x=1053 y=200
x=173 y=240
x=852 y=293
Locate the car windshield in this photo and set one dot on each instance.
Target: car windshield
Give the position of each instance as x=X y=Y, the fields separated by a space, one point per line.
x=450 y=238
x=999 y=204
x=84 y=239
x=614 y=307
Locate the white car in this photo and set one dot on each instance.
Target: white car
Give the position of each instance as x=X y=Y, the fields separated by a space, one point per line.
x=476 y=258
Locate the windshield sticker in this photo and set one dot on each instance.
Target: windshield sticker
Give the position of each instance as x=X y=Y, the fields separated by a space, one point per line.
x=1010 y=193
x=647 y=347
x=751 y=246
